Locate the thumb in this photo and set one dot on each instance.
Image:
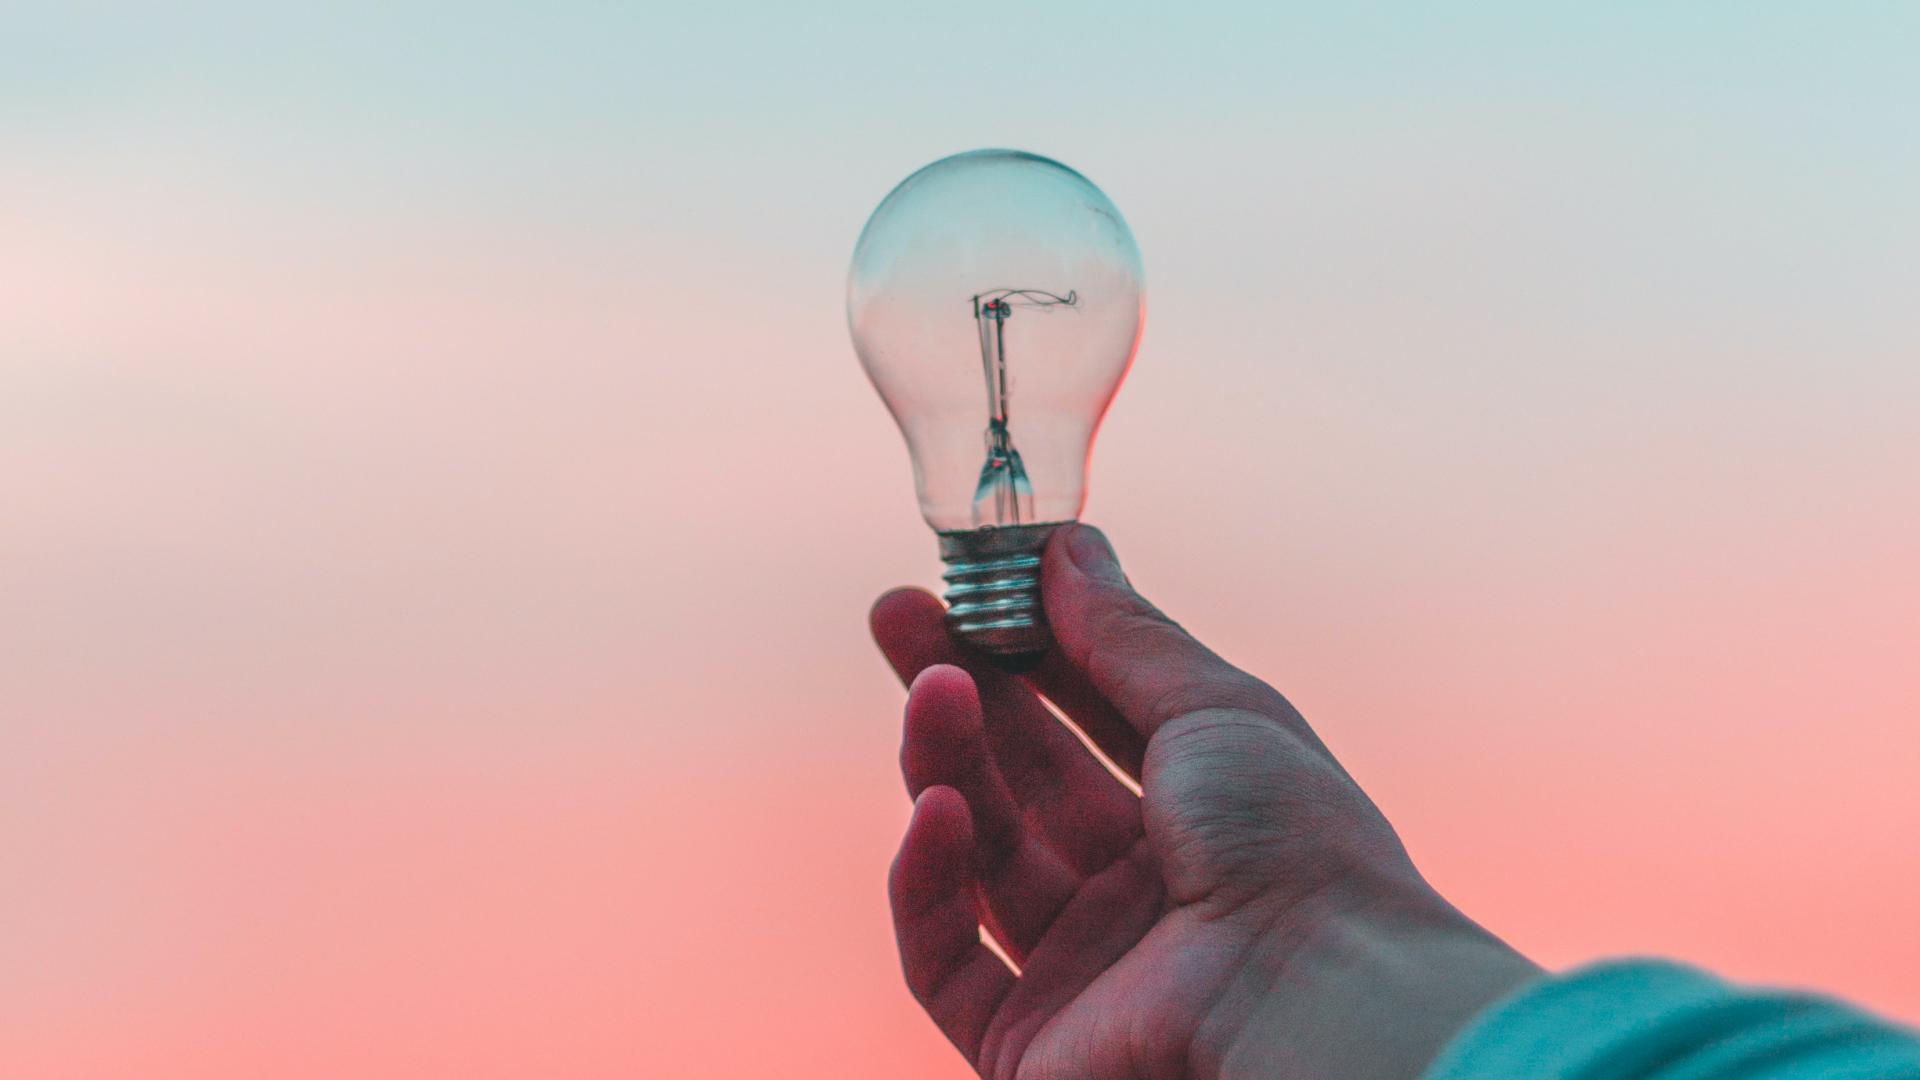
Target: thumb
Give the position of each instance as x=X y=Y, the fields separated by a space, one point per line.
x=1142 y=662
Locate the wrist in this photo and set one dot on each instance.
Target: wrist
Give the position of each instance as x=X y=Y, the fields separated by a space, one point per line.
x=1371 y=990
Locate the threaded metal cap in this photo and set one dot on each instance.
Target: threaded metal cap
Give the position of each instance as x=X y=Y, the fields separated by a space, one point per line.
x=993 y=590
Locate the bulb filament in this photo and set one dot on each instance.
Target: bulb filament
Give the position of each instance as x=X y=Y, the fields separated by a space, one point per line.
x=1004 y=495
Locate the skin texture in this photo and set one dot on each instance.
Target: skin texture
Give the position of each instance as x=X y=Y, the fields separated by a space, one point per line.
x=1252 y=914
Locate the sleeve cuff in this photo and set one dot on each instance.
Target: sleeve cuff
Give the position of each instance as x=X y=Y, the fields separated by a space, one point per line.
x=1625 y=1019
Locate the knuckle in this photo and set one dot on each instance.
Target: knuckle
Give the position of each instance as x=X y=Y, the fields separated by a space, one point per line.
x=1130 y=616
x=1255 y=805
x=1217 y=687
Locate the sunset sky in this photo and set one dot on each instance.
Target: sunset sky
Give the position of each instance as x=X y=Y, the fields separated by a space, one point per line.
x=441 y=502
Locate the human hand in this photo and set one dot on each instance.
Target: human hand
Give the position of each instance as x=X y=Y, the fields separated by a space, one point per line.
x=1251 y=914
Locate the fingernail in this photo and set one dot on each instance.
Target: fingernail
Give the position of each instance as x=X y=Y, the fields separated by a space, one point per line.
x=1093 y=556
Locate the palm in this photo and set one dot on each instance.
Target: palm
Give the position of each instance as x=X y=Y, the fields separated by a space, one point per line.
x=1128 y=916
x=1129 y=1020
x=1166 y=928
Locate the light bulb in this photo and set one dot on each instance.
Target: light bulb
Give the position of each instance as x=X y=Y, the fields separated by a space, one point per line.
x=995 y=301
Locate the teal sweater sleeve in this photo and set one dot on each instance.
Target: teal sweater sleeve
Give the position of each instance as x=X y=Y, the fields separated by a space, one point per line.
x=1652 y=1020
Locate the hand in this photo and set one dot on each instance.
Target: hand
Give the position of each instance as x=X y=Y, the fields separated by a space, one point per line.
x=1252 y=914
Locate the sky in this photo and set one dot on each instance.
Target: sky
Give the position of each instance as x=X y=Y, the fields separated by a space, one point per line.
x=442 y=501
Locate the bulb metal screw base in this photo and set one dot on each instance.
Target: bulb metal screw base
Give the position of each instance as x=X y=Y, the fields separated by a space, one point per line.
x=993 y=591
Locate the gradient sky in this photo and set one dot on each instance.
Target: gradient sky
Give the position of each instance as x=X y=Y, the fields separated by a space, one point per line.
x=441 y=502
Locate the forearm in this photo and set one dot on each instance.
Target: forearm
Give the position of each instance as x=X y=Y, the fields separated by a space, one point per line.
x=1369 y=993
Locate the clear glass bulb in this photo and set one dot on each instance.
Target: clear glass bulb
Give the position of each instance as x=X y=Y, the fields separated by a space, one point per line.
x=995 y=301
